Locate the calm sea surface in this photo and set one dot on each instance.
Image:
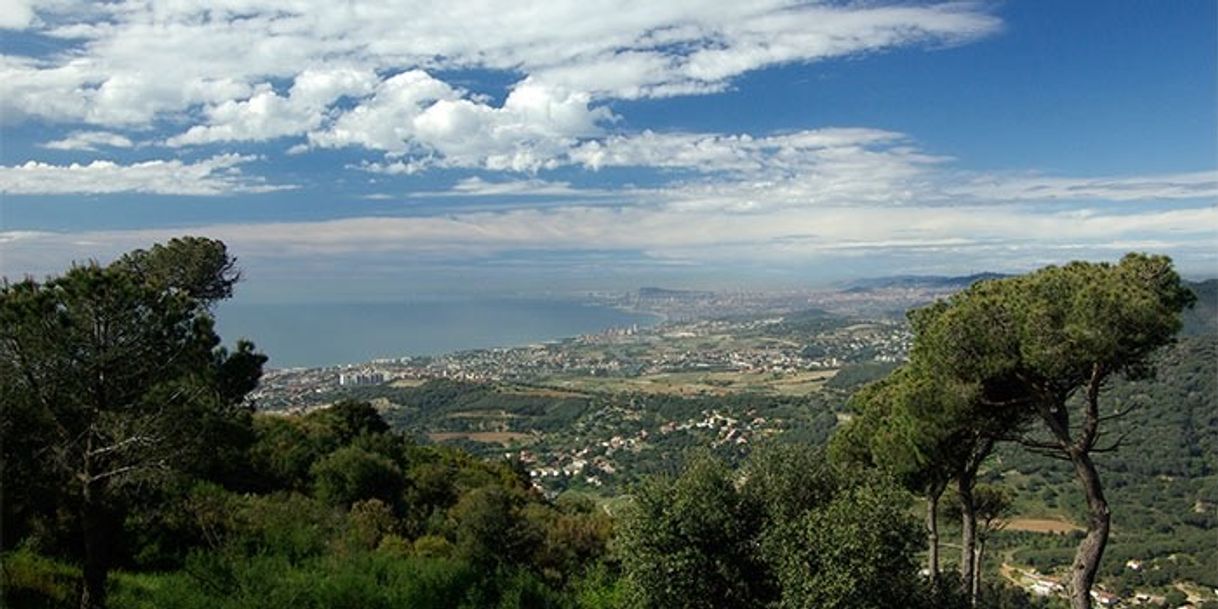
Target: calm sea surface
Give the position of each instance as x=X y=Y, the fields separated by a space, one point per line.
x=328 y=334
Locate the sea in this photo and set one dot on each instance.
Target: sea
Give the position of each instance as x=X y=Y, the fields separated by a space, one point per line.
x=329 y=334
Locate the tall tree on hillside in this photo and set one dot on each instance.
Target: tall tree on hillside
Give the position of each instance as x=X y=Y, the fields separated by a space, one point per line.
x=118 y=379
x=923 y=431
x=1047 y=343
x=880 y=435
x=991 y=505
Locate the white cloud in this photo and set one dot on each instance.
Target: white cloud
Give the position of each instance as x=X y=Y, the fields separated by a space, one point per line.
x=218 y=175
x=1201 y=184
x=413 y=114
x=478 y=187
x=16 y=14
x=790 y=236
x=134 y=62
x=266 y=115
x=385 y=122
x=703 y=53
x=89 y=140
x=739 y=154
x=829 y=167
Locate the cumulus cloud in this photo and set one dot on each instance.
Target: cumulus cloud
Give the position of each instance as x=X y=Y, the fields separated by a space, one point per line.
x=267 y=115
x=131 y=63
x=16 y=14
x=413 y=114
x=218 y=175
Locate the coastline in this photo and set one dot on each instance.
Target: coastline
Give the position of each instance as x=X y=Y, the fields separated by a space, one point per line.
x=336 y=335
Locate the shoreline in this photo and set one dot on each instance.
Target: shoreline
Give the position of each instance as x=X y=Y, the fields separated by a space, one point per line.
x=278 y=328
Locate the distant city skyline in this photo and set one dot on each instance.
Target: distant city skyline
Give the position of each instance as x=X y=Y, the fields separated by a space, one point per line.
x=403 y=149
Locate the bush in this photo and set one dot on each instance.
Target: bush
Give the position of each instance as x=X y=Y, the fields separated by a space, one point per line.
x=357 y=581
x=352 y=474
x=30 y=580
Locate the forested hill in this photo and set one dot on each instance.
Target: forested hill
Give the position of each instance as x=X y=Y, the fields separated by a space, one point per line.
x=1163 y=477
x=1203 y=317
x=923 y=281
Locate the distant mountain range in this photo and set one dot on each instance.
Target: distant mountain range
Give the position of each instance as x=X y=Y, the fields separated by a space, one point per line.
x=920 y=281
x=1203 y=317
x=653 y=292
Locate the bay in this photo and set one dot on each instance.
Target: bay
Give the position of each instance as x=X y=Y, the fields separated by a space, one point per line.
x=328 y=334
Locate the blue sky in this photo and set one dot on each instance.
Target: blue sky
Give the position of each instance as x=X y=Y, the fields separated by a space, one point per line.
x=403 y=149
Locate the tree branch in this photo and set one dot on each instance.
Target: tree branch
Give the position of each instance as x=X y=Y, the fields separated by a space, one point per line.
x=124 y=444
x=1116 y=444
x=1091 y=412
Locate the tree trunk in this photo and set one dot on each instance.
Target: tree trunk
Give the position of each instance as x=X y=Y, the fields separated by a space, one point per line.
x=978 y=567
x=932 y=537
x=1091 y=549
x=97 y=563
x=968 y=532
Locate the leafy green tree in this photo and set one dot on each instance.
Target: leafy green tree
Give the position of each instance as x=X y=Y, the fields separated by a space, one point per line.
x=858 y=552
x=924 y=433
x=575 y=535
x=287 y=448
x=283 y=452
x=490 y=531
x=199 y=266
x=1047 y=343
x=349 y=419
x=118 y=381
x=690 y=542
x=884 y=434
x=369 y=522
x=787 y=481
x=1174 y=598
x=352 y=474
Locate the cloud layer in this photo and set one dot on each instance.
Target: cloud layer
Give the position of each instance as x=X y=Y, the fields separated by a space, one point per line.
x=791 y=236
x=218 y=175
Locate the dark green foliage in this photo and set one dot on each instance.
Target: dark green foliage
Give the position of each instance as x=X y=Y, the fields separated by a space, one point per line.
x=691 y=542
x=853 y=376
x=788 y=480
x=268 y=581
x=576 y=535
x=198 y=266
x=349 y=419
x=856 y=552
x=1045 y=345
x=490 y=531
x=352 y=474
x=32 y=581
x=790 y=534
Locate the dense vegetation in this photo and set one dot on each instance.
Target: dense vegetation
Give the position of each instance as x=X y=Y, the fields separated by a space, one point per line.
x=1163 y=480
x=136 y=476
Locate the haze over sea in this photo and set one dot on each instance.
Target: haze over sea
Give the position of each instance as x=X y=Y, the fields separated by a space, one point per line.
x=326 y=334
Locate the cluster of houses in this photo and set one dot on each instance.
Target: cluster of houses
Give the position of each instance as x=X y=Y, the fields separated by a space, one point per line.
x=1047 y=585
